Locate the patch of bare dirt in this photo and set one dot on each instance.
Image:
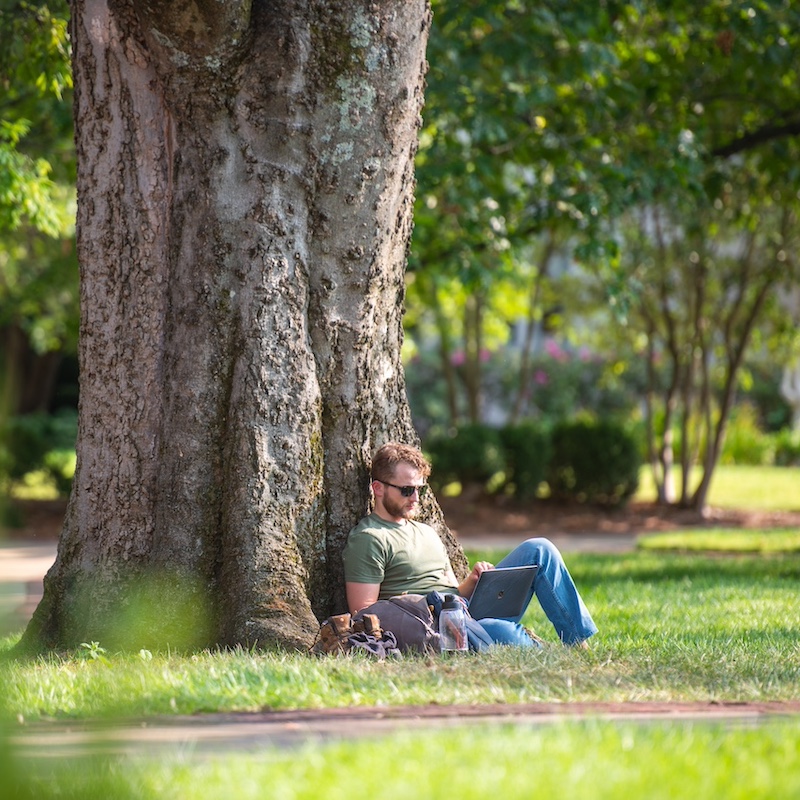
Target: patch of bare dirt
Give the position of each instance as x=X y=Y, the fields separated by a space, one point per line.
x=530 y=710
x=35 y=520
x=542 y=518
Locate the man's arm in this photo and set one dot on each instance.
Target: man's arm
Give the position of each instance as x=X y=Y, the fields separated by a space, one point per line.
x=467 y=586
x=361 y=595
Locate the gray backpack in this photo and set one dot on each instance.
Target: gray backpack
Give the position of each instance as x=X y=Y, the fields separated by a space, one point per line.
x=410 y=619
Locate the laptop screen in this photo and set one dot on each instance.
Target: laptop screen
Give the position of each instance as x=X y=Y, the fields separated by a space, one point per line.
x=502 y=592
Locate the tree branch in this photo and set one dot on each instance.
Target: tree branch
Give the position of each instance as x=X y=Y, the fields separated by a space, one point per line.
x=753 y=139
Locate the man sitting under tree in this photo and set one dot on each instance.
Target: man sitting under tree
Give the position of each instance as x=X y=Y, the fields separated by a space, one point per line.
x=390 y=553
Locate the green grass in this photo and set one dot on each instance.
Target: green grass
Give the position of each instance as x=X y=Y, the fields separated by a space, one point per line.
x=673 y=627
x=724 y=540
x=590 y=760
x=758 y=488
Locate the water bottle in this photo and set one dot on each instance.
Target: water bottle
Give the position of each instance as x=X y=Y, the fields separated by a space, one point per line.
x=453 y=624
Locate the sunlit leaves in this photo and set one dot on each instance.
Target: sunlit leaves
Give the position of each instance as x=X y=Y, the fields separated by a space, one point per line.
x=563 y=116
x=35 y=117
x=38 y=269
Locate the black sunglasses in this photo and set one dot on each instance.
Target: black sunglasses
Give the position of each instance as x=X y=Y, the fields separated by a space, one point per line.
x=407 y=491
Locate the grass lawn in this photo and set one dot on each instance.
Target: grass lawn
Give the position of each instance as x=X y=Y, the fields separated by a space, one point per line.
x=725 y=540
x=589 y=761
x=738 y=486
x=672 y=627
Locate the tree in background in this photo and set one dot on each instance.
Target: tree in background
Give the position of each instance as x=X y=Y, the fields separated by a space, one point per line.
x=38 y=268
x=790 y=379
x=567 y=118
x=704 y=268
x=700 y=311
x=502 y=184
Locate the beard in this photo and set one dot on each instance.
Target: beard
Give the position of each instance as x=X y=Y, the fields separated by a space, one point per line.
x=401 y=509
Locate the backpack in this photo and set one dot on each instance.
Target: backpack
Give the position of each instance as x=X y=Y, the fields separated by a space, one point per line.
x=403 y=623
x=409 y=618
x=414 y=621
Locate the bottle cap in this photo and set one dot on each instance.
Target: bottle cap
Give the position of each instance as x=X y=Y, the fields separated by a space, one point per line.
x=450 y=601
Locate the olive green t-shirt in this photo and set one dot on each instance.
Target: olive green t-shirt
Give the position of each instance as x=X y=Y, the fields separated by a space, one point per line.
x=407 y=558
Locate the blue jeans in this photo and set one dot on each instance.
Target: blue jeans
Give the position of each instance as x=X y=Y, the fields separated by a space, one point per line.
x=554 y=589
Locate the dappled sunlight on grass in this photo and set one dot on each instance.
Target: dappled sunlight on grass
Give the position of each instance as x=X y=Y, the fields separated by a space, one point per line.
x=724 y=541
x=738 y=486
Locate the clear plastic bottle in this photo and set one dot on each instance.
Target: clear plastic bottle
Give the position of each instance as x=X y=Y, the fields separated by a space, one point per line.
x=453 y=624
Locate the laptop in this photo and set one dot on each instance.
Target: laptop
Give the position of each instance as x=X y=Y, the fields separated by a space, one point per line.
x=502 y=592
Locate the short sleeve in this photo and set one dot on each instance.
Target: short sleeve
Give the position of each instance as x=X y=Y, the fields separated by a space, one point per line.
x=364 y=558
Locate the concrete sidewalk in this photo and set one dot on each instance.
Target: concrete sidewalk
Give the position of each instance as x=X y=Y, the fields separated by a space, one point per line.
x=565 y=542
x=22 y=569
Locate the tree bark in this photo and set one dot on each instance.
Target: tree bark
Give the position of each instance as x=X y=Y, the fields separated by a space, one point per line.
x=532 y=329
x=473 y=344
x=245 y=204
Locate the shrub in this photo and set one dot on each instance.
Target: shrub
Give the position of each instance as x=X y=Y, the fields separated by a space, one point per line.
x=473 y=454
x=30 y=437
x=60 y=466
x=745 y=442
x=562 y=378
x=593 y=462
x=40 y=443
x=759 y=386
x=527 y=449
x=787 y=448
x=6 y=462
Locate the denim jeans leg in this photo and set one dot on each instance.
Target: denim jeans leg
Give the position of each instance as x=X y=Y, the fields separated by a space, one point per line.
x=504 y=631
x=554 y=589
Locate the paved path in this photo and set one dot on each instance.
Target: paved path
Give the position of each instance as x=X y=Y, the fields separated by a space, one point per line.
x=220 y=734
x=566 y=542
x=22 y=569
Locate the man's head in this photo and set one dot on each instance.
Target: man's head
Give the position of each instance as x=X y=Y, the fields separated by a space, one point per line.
x=399 y=472
x=387 y=458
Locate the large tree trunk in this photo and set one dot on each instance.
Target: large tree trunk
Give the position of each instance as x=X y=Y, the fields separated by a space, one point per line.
x=245 y=204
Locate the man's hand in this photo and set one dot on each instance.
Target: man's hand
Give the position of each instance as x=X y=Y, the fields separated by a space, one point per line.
x=467 y=586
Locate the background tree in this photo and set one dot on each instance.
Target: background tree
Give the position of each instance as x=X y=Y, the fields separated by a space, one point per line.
x=245 y=178
x=496 y=173
x=700 y=311
x=719 y=234
x=38 y=269
x=543 y=116
x=790 y=378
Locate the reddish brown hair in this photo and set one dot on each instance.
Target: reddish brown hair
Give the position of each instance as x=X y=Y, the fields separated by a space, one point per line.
x=387 y=457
